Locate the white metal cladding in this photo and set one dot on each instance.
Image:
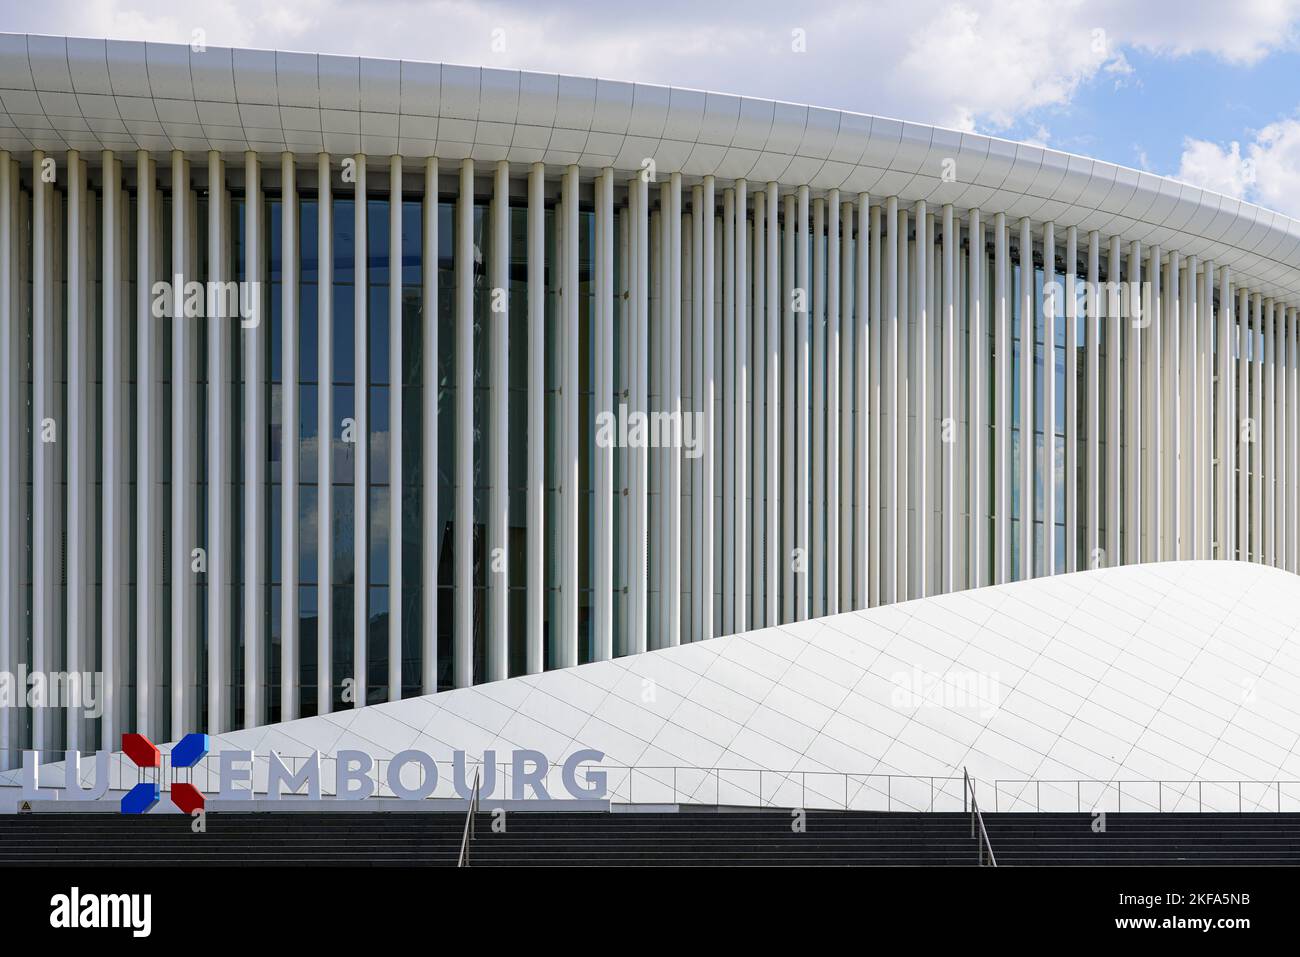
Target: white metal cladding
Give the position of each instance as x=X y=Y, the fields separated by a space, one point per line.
x=849 y=328
x=62 y=93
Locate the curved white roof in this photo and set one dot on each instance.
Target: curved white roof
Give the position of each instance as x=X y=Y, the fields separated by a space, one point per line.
x=67 y=93
x=1171 y=672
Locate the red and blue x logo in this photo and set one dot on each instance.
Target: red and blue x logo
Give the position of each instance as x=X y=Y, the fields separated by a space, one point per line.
x=142 y=798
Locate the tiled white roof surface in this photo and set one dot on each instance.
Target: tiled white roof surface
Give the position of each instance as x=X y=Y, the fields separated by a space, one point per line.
x=1177 y=671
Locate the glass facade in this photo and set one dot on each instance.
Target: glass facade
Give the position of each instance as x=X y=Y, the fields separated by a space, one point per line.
x=391 y=495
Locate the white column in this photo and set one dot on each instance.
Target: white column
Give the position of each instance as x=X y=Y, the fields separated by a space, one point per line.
x=1092 y=333
x=920 y=412
x=698 y=408
x=863 y=384
x=1293 y=434
x=1132 y=325
x=45 y=426
x=817 y=514
x=326 y=431
x=1171 y=338
x=1205 y=412
x=1266 y=422
x=1114 y=446
x=77 y=434
x=948 y=490
x=184 y=462
x=772 y=383
x=707 y=393
x=289 y=690
x=1225 y=428
x=602 y=324
x=903 y=462
x=1028 y=328
x=977 y=377
x=396 y=431
x=253 y=343
x=902 y=471
x=1280 y=457
x=11 y=456
x=803 y=419
x=654 y=403
x=431 y=526
x=603 y=528
x=361 y=412
x=81 y=641
x=1152 y=477
x=220 y=532
x=463 y=560
x=1051 y=310
x=603 y=452
x=637 y=620
x=1002 y=401
x=1257 y=429
x=149 y=624
x=740 y=490
x=763 y=492
x=828 y=373
x=569 y=539
x=672 y=581
x=830 y=434
x=536 y=560
x=1189 y=441
x=1195 y=445
x=497 y=444
x=889 y=590
x=638 y=374
x=1276 y=394
x=1244 y=430
x=728 y=411
x=850 y=502
x=789 y=445
x=622 y=360
x=1071 y=305
x=932 y=479
x=875 y=404
x=114 y=621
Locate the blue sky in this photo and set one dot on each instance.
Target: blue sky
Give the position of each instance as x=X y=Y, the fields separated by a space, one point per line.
x=1205 y=91
x=1142 y=119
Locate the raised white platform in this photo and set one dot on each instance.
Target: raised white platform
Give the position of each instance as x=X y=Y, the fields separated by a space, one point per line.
x=1049 y=691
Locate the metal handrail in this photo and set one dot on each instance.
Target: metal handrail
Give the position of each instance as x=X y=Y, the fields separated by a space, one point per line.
x=468 y=834
x=985 y=847
x=1182 y=788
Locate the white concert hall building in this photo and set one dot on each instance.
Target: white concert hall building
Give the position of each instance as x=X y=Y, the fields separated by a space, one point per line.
x=328 y=382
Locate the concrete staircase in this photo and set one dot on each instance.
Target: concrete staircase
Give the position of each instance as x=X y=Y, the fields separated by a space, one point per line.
x=661 y=838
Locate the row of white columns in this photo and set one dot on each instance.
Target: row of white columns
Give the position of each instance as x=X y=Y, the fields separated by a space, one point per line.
x=863 y=387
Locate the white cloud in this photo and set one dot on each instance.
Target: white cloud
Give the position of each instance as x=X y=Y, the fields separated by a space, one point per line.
x=1266 y=172
x=1242 y=32
x=1215 y=167
x=1276 y=158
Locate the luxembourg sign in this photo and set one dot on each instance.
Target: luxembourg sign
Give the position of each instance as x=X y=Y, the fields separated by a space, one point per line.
x=355 y=778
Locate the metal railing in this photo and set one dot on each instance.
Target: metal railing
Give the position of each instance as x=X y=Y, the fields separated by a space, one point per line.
x=977 y=819
x=468 y=834
x=1185 y=796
